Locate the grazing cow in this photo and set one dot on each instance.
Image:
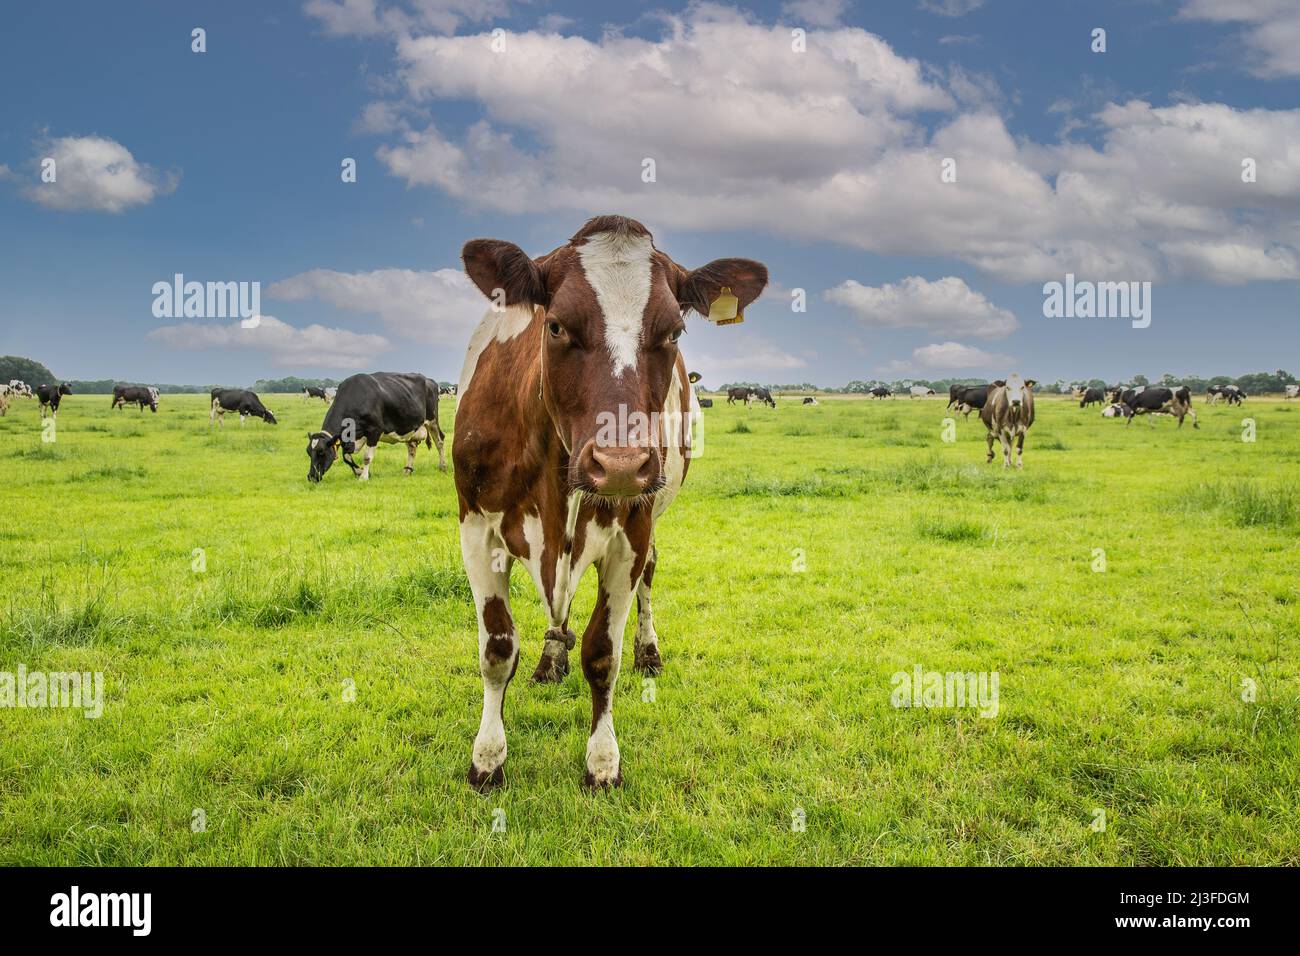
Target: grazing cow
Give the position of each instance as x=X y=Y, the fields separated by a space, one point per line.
x=764 y=396
x=1116 y=411
x=1007 y=415
x=20 y=388
x=1292 y=391
x=881 y=392
x=1093 y=396
x=1157 y=400
x=1234 y=395
x=920 y=391
x=588 y=338
x=972 y=398
x=51 y=395
x=745 y=395
x=388 y=407
x=135 y=394
x=311 y=391
x=238 y=400
x=809 y=400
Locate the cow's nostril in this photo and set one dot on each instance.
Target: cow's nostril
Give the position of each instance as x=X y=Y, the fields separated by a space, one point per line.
x=620 y=471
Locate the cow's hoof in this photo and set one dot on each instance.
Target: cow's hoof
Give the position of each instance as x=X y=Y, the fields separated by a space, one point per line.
x=591 y=782
x=408 y=470
x=648 y=661
x=553 y=666
x=485 y=780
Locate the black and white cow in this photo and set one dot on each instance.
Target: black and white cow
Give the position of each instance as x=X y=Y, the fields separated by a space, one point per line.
x=142 y=395
x=388 y=407
x=971 y=398
x=447 y=389
x=881 y=391
x=20 y=388
x=1093 y=396
x=311 y=391
x=51 y=395
x=1292 y=391
x=920 y=391
x=239 y=400
x=809 y=400
x=764 y=396
x=745 y=395
x=1157 y=400
x=1116 y=411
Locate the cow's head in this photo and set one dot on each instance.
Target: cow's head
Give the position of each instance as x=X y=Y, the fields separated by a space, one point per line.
x=610 y=309
x=269 y=417
x=1018 y=389
x=322 y=449
x=65 y=388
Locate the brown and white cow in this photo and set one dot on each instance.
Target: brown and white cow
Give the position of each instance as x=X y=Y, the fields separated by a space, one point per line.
x=1007 y=415
x=547 y=474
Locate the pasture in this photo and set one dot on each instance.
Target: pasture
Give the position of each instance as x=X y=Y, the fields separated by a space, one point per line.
x=309 y=694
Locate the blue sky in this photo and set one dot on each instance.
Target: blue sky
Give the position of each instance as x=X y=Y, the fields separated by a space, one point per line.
x=825 y=164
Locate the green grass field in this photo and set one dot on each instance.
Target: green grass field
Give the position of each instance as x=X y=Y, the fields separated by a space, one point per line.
x=815 y=552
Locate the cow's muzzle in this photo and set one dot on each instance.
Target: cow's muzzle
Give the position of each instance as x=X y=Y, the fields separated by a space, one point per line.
x=618 y=472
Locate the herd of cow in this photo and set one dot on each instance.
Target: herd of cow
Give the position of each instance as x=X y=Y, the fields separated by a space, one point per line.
x=579 y=344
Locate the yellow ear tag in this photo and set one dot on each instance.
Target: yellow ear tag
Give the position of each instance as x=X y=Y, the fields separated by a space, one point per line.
x=724 y=310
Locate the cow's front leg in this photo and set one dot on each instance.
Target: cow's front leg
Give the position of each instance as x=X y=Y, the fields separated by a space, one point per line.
x=1020 y=450
x=410 y=456
x=989 y=439
x=367 y=455
x=602 y=649
x=498 y=644
x=647 y=659
x=1006 y=449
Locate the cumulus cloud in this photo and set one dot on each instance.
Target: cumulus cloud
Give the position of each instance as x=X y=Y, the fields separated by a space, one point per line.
x=1271 y=31
x=312 y=346
x=845 y=143
x=947 y=357
x=947 y=306
x=94 y=173
x=433 y=308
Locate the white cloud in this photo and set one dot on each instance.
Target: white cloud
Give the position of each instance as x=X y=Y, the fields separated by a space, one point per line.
x=287 y=346
x=94 y=173
x=840 y=143
x=947 y=306
x=433 y=308
x=1272 y=31
x=947 y=357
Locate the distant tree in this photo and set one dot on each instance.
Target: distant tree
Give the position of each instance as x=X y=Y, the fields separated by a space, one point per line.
x=27 y=370
x=292 y=383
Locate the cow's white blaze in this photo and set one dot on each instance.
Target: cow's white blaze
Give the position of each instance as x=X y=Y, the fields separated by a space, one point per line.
x=617 y=267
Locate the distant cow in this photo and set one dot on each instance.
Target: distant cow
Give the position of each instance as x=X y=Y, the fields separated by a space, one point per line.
x=1116 y=411
x=1121 y=394
x=51 y=395
x=881 y=392
x=1232 y=394
x=1292 y=391
x=764 y=396
x=18 y=387
x=920 y=391
x=809 y=400
x=706 y=403
x=1093 y=396
x=386 y=407
x=141 y=395
x=971 y=398
x=447 y=389
x=239 y=400
x=310 y=391
x=1161 y=401
x=739 y=395
x=1007 y=415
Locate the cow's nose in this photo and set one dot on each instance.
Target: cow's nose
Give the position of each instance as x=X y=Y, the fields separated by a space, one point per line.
x=620 y=471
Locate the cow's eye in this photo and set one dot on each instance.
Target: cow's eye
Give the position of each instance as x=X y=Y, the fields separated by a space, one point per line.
x=674 y=335
x=554 y=328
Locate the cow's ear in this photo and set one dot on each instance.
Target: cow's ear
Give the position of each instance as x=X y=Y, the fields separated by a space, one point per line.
x=1030 y=383
x=697 y=288
x=1001 y=383
x=502 y=269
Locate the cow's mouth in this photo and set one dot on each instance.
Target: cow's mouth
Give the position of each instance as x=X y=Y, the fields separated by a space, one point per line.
x=643 y=498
